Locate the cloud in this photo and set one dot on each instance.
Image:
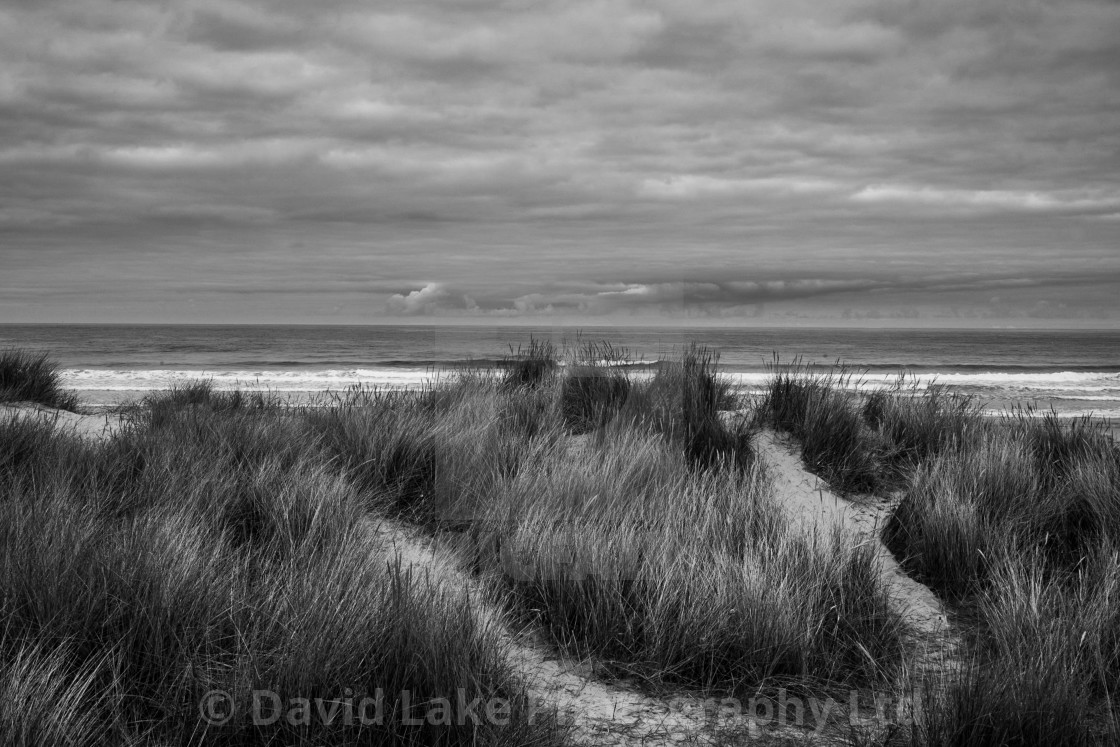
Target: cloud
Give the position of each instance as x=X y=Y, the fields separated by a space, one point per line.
x=432 y=298
x=532 y=156
x=995 y=199
x=723 y=293
x=422 y=301
x=689 y=186
x=721 y=297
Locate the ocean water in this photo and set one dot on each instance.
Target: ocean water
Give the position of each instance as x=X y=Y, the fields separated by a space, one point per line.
x=1072 y=372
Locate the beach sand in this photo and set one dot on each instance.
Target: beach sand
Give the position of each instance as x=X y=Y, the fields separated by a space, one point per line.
x=89 y=424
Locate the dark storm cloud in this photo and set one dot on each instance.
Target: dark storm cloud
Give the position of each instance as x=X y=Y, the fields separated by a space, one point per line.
x=497 y=158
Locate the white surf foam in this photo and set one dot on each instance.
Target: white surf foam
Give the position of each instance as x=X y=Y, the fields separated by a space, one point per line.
x=1062 y=381
x=1074 y=388
x=115 y=380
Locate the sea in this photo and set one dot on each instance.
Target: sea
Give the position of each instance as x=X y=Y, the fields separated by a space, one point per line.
x=1072 y=373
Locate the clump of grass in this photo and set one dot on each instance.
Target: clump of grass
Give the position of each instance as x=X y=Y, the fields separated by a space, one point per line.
x=1060 y=446
x=915 y=425
x=1052 y=487
x=1017 y=522
x=31 y=451
x=944 y=543
x=33 y=377
x=385 y=442
x=594 y=385
x=1084 y=509
x=429 y=465
x=684 y=401
x=531 y=414
x=199 y=394
x=1047 y=661
x=869 y=445
x=45 y=699
x=959 y=507
x=589 y=548
x=835 y=442
x=1078 y=468
x=997 y=704
x=1034 y=615
x=530 y=366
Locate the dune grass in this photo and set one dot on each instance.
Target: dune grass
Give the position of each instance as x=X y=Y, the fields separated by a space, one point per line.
x=45 y=699
x=1017 y=524
x=594 y=386
x=222 y=542
x=1047 y=663
x=200 y=393
x=816 y=408
x=531 y=365
x=689 y=403
x=913 y=425
x=1015 y=521
x=1038 y=483
x=594 y=555
x=33 y=377
x=638 y=532
x=223 y=550
x=864 y=443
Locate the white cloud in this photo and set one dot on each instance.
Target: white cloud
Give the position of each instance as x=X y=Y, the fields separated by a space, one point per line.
x=992 y=198
x=689 y=186
x=422 y=301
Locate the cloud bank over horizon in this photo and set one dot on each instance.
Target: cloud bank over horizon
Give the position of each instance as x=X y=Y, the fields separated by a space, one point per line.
x=242 y=160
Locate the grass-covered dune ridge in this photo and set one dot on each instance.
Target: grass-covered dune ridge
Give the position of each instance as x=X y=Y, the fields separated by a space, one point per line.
x=210 y=553
x=662 y=485
x=220 y=541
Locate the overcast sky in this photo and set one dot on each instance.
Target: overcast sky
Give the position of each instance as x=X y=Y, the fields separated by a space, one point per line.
x=941 y=161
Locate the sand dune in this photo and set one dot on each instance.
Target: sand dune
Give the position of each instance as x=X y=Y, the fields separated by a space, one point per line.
x=89 y=425
x=609 y=712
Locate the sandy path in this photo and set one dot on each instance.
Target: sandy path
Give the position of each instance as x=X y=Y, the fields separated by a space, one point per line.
x=598 y=712
x=97 y=425
x=610 y=713
x=936 y=645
